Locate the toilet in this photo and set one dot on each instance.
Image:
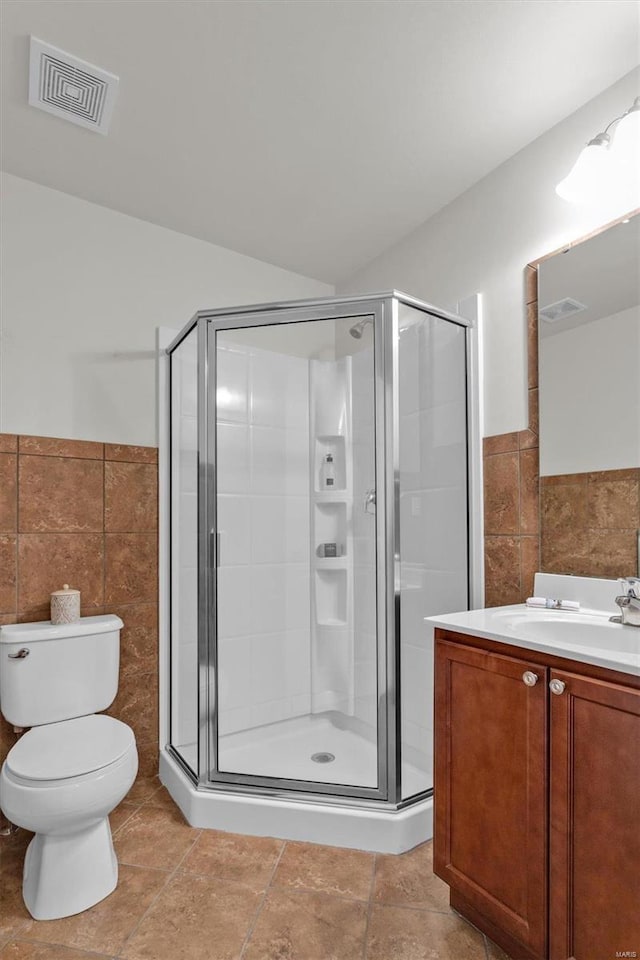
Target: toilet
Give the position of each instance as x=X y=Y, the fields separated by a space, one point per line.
x=68 y=772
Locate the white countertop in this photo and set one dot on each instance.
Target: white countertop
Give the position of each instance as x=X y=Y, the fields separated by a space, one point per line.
x=587 y=636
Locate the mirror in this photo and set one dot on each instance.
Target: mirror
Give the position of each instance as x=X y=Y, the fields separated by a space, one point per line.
x=589 y=395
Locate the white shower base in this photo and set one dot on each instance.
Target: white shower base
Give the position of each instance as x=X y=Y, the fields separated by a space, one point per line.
x=284 y=750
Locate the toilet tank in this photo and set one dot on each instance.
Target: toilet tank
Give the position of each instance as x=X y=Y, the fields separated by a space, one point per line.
x=50 y=673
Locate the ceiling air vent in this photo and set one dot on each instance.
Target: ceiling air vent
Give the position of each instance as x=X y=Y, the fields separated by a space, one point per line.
x=70 y=88
x=561 y=309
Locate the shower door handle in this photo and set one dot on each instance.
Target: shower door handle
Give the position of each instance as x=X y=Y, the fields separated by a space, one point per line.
x=214 y=540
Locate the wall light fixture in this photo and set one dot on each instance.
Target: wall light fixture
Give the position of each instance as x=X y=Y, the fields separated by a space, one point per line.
x=609 y=162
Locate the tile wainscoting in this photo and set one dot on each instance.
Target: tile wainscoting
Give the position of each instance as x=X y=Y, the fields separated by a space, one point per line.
x=589 y=523
x=85 y=513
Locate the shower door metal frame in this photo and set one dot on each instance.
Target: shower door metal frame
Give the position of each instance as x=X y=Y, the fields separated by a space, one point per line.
x=384 y=308
x=209 y=324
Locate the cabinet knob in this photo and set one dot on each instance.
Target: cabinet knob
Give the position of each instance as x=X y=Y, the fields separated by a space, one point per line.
x=557 y=687
x=529 y=678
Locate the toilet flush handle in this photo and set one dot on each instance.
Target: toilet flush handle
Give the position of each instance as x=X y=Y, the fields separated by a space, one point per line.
x=20 y=655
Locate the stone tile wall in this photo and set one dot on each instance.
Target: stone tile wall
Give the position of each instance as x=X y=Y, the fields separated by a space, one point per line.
x=86 y=514
x=590 y=523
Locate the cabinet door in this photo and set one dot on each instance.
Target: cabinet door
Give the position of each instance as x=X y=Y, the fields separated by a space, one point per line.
x=491 y=790
x=595 y=819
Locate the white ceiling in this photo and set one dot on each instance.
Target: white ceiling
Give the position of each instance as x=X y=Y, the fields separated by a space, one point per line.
x=312 y=134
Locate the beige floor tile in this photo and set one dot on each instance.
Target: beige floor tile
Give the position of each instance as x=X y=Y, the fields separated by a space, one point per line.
x=106 y=926
x=119 y=816
x=308 y=926
x=195 y=918
x=12 y=851
x=400 y=934
x=408 y=879
x=20 y=950
x=143 y=788
x=161 y=798
x=13 y=913
x=232 y=856
x=154 y=837
x=333 y=870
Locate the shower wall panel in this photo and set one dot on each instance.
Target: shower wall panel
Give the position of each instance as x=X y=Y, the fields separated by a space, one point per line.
x=263 y=523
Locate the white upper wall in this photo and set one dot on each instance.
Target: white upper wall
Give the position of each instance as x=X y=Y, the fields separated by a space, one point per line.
x=83 y=290
x=482 y=241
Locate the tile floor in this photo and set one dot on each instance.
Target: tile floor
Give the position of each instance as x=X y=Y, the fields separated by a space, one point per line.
x=187 y=894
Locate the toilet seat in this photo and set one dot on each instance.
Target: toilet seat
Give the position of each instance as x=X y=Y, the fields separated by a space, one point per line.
x=69 y=749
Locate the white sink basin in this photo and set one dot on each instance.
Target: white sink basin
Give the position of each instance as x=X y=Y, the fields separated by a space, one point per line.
x=585 y=636
x=587 y=631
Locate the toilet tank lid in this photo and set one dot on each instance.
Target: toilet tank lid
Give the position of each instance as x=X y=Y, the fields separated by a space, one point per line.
x=45 y=630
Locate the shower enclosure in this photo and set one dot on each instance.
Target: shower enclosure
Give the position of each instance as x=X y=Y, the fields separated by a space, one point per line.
x=318 y=511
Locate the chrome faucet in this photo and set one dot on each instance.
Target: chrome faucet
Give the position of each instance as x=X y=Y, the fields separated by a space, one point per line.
x=629 y=602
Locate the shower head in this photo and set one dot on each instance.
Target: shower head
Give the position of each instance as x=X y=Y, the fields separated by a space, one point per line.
x=357 y=329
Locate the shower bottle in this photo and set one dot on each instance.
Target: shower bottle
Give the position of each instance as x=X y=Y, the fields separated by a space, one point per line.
x=328 y=473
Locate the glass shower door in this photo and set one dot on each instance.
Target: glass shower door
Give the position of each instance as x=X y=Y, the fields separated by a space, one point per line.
x=296 y=648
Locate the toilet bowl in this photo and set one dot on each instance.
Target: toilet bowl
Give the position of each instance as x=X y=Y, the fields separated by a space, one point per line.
x=61 y=781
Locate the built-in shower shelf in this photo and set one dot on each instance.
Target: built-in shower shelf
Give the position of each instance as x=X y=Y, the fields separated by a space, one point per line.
x=335 y=445
x=331 y=529
x=331 y=593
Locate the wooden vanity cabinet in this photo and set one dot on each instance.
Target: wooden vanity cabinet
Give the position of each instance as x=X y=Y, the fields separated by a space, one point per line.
x=491 y=791
x=594 y=876
x=537 y=799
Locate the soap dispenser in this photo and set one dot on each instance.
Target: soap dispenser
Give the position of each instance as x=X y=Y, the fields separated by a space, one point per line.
x=328 y=473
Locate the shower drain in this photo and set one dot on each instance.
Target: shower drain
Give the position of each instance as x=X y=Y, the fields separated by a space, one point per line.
x=322 y=757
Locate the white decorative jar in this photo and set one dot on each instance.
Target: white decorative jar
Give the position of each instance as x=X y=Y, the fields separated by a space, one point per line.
x=65 y=605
